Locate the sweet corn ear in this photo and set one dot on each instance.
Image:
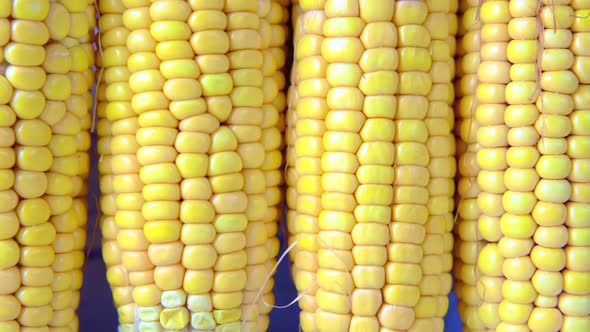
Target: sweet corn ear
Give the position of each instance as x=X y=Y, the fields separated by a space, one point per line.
x=370 y=164
x=46 y=74
x=190 y=132
x=519 y=250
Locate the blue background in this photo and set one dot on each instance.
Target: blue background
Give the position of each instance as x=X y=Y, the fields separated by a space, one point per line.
x=97 y=312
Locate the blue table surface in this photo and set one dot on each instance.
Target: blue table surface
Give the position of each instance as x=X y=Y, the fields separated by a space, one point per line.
x=97 y=313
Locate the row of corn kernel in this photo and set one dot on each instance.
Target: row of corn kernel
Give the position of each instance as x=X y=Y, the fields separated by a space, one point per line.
x=302 y=224
x=521 y=178
x=204 y=177
x=341 y=282
x=159 y=294
x=516 y=293
x=112 y=39
x=129 y=219
x=46 y=76
x=553 y=166
x=576 y=276
x=468 y=240
x=492 y=140
x=136 y=239
x=438 y=244
x=414 y=170
x=247 y=63
x=136 y=272
x=110 y=20
x=246 y=122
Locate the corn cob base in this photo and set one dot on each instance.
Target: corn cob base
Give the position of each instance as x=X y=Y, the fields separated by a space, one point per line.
x=46 y=73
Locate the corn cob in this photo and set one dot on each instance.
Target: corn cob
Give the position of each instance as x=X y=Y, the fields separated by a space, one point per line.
x=46 y=65
x=528 y=82
x=360 y=202
x=193 y=170
x=468 y=239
